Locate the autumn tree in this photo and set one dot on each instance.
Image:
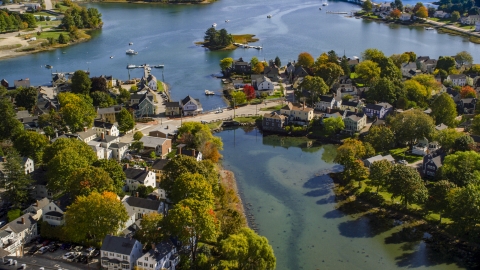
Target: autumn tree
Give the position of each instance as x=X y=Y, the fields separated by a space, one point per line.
x=422 y=12
x=444 y=110
x=368 y=72
x=192 y=186
x=84 y=181
x=372 y=54
x=192 y=222
x=415 y=91
x=468 y=92
x=405 y=182
x=249 y=92
x=26 y=97
x=76 y=111
x=464 y=58
x=246 y=250
x=429 y=82
x=380 y=137
x=412 y=125
x=258 y=68
x=16 y=182
x=315 y=85
x=125 y=121
x=114 y=170
x=305 y=59
x=90 y=218
x=81 y=83
x=395 y=13
x=150 y=231
x=31 y=144
x=379 y=173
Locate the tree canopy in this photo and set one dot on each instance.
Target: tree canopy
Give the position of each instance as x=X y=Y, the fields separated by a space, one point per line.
x=26 y=97
x=84 y=181
x=412 y=125
x=305 y=59
x=31 y=144
x=368 y=72
x=9 y=126
x=444 y=110
x=76 y=111
x=16 y=182
x=81 y=83
x=125 y=121
x=405 y=182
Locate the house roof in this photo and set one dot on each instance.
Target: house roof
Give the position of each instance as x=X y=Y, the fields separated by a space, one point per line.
x=457 y=76
x=380 y=157
x=409 y=65
x=437 y=160
x=440 y=127
x=107 y=138
x=22 y=114
x=159 y=164
x=106 y=110
x=431 y=62
x=350 y=103
x=378 y=106
x=326 y=98
x=136 y=174
x=189 y=98
x=274 y=115
x=117 y=244
x=142 y=203
x=161 y=250
x=17 y=226
x=86 y=134
x=172 y=104
x=101 y=124
x=296 y=107
x=117 y=145
x=423 y=58
x=152 y=142
x=40 y=203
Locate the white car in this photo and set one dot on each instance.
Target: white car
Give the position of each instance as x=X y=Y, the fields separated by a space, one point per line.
x=42 y=250
x=66 y=255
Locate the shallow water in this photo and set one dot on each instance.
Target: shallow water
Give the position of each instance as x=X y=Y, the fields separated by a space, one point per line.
x=294 y=207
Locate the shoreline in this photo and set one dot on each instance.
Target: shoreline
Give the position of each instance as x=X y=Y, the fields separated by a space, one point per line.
x=229 y=181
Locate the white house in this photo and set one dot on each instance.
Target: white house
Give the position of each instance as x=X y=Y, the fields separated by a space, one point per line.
x=191 y=106
x=120 y=252
x=152 y=82
x=441 y=14
x=423 y=147
x=53 y=214
x=28 y=165
x=369 y=161
x=262 y=84
x=355 y=122
x=105 y=128
x=141 y=206
x=136 y=177
x=470 y=20
x=36 y=208
x=17 y=233
x=297 y=112
x=346 y=89
x=458 y=79
x=163 y=256
x=119 y=150
x=405 y=17
x=327 y=103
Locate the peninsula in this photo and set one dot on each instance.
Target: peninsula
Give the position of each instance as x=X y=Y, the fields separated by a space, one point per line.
x=216 y=40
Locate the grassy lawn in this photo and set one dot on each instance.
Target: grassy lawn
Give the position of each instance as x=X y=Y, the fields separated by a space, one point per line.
x=272 y=108
x=353 y=75
x=10 y=47
x=52 y=34
x=214 y=125
x=49 y=23
x=160 y=86
x=251 y=119
x=244 y=38
x=398 y=154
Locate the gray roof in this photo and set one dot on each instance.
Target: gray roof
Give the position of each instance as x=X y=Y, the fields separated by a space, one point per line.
x=41 y=203
x=380 y=157
x=161 y=250
x=107 y=139
x=86 y=134
x=159 y=164
x=152 y=142
x=173 y=104
x=106 y=110
x=440 y=127
x=22 y=114
x=326 y=98
x=142 y=203
x=457 y=76
x=136 y=174
x=410 y=65
x=100 y=124
x=189 y=98
x=117 y=145
x=17 y=226
x=117 y=244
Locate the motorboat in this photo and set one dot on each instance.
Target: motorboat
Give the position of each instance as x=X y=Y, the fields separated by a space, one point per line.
x=131 y=52
x=214 y=25
x=131 y=66
x=48 y=66
x=269 y=16
x=159 y=66
x=227 y=21
x=325 y=4
x=428 y=28
x=131 y=43
x=320 y=8
x=209 y=93
x=258 y=47
x=111 y=57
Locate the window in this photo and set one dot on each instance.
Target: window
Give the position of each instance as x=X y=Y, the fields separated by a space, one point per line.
x=119 y=256
x=151 y=265
x=125 y=257
x=111 y=254
x=146 y=259
x=105 y=253
x=140 y=264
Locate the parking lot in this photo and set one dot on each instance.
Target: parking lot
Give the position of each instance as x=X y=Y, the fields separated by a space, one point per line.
x=51 y=260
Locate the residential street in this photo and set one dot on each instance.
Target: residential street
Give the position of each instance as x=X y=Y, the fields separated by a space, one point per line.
x=451 y=27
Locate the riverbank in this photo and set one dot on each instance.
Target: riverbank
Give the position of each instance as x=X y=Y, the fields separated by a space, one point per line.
x=414 y=228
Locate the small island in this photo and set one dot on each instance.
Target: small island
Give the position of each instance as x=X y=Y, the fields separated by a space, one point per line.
x=221 y=40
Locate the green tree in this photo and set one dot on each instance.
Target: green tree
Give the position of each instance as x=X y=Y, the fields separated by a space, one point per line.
x=446 y=63
x=81 y=83
x=462 y=168
x=31 y=144
x=372 y=54
x=429 y=82
x=76 y=111
x=415 y=91
x=90 y=218
x=143 y=191
x=192 y=222
x=380 y=172
x=367 y=6
x=226 y=63
x=14 y=214
x=191 y=186
x=62 y=39
x=329 y=72
x=305 y=59
x=231 y=221
x=355 y=171
x=438 y=197
x=350 y=149
x=278 y=63
x=224 y=38
x=137 y=146
x=411 y=126
x=254 y=61
x=464 y=58
x=316 y=85
x=102 y=99
x=333 y=124
x=123 y=97
x=125 y=121
x=464 y=143
x=447 y=138
x=388 y=69
x=383 y=90
x=84 y=181
x=405 y=182
x=137 y=136
x=238 y=98
x=26 y=97
x=368 y=72
x=345 y=66
x=9 y=126
x=29 y=19
x=114 y=170
x=16 y=182
x=444 y=110
x=380 y=137
x=475 y=127
x=150 y=231
x=455 y=16
x=246 y=250
x=465 y=205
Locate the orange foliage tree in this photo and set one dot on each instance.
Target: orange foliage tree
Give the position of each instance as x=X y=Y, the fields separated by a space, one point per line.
x=249 y=92
x=468 y=92
x=395 y=13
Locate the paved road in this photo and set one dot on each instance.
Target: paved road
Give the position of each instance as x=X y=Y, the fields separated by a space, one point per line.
x=48 y=4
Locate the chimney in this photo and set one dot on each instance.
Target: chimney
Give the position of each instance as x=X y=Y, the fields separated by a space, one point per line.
x=153 y=246
x=85 y=129
x=329 y=110
x=193 y=153
x=179 y=150
x=126 y=165
x=146 y=169
x=23 y=220
x=103 y=136
x=136 y=194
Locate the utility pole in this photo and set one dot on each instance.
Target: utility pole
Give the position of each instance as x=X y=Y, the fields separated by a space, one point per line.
x=234 y=105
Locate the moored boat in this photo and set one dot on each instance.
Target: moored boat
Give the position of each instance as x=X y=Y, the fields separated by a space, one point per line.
x=269 y=16
x=48 y=66
x=131 y=66
x=131 y=52
x=158 y=66
x=209 y=93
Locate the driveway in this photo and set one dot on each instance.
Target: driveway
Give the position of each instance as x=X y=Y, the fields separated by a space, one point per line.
x=48 y=4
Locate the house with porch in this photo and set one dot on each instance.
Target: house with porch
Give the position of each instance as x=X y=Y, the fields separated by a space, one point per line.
x=136 y=177
x=467 y=105
x=17 y=233
x=163 y=255
x=120 y=252
x=470 y=19
x=191 y=106
x=351 y=105
x=458 y=79
x=241 y=67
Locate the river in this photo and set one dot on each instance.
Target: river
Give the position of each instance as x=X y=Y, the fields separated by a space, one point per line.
x=294 y=207
x=165 y=34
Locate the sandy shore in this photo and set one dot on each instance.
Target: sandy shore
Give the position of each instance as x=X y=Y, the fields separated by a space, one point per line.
x=11 y=39
x=228 y=179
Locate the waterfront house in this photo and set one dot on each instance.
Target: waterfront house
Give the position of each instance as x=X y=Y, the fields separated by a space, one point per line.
x=457 y=79
x=105 y=128
x=467 y=105
x=369 y=161
x=354 y=122
x=239 y=83
x=441 y=14
x=136 y=177
x=431 y=164
x=120 y=252
x=351 y=105
x=424 y=147
x=380 y=110
x=161 y=146
x=141 y=206
x=172 y=108
x=142 y=104
x=108 y=114
x=409 y=69
x=262 y=84
x=327 y=103
x=470 y=19
x=151 y=82
x=17 y=233
x=297 y=113
x=191 y=106
x=477 y=27
x=404 y=17
x=241 y=67
x=162 y=256
x=25 y=83
x=274 y=122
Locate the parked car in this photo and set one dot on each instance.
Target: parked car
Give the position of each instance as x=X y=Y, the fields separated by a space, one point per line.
x=42 y=250
x=53 y=248
x=65 y=246
x=90 y=250
x=73 y=257
x=82 y=258
x=403 y=162
x=46 y=242
x=33 y=250
x=96 y=253
x=67 y=255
